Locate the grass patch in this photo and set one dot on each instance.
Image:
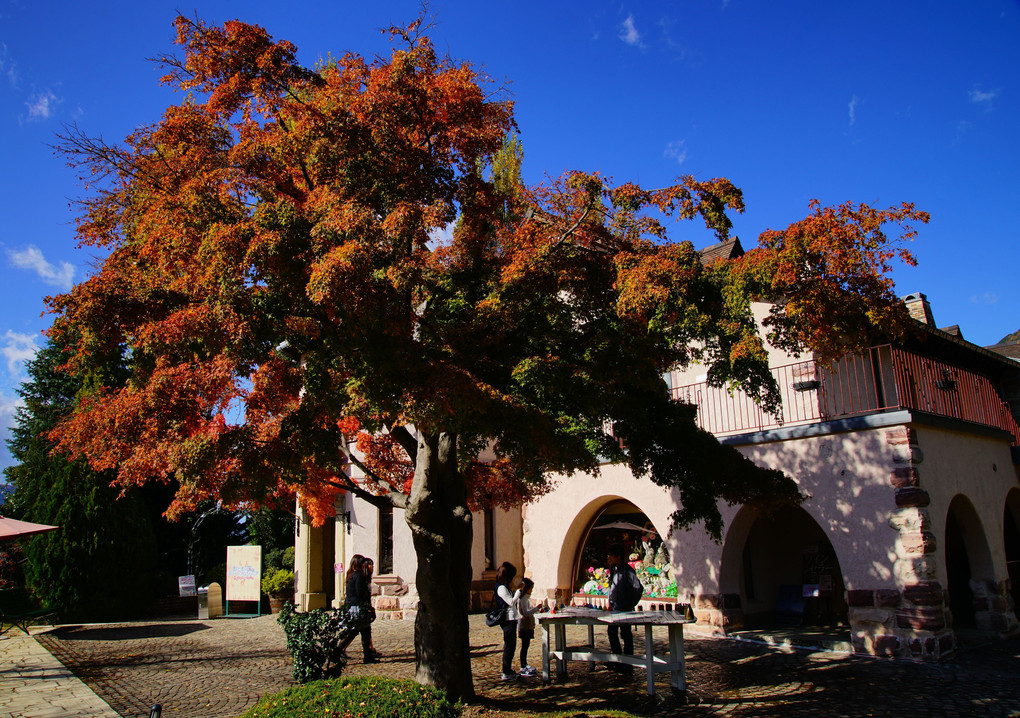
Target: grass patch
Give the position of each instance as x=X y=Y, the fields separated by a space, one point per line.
x=356 y=698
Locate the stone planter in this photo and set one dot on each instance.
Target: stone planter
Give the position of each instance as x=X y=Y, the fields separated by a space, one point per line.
x=275 y=604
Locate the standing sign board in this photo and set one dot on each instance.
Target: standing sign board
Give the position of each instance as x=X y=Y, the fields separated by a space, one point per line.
x=186 y=585
x=244 y=570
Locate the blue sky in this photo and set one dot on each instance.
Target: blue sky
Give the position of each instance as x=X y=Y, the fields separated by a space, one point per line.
x=866 y=102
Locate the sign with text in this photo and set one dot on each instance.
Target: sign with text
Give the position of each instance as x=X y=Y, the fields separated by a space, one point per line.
x=244 y=570
x=186 y=585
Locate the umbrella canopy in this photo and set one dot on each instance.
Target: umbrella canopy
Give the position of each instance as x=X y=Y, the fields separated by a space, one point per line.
x=625 y=526
x=12 y=528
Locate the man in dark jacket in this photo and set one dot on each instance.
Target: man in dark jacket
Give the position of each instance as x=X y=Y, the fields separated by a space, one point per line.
x=624 y=593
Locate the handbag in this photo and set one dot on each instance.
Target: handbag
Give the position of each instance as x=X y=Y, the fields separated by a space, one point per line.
x=497 y=614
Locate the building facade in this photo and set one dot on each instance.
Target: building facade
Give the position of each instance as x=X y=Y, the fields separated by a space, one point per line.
x=910 y=529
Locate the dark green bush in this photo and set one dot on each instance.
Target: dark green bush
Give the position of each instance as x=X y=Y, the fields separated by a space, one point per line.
x=216 y=574
x=280 y=558
x=357 y=698
x=313 y=639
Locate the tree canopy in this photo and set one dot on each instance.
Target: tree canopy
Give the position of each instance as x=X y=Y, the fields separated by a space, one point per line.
x=314 y=268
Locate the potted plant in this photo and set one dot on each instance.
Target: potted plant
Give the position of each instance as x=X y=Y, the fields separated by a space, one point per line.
x=278 y=584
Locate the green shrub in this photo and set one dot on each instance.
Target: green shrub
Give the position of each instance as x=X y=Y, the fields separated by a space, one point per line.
x=313 y=639
x=280 y=558
x=278 y=583
x=357 y=698
x=274 y=560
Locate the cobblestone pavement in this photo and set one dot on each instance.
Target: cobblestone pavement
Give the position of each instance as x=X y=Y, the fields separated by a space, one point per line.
x=219 y=668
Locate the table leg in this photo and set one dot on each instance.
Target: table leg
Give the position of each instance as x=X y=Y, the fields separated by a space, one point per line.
x=561 y=646
x=591 y=645
x=678 y=678
x=649 y=659
x=545 y=652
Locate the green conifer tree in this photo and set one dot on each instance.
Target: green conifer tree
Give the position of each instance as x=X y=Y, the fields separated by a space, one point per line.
x=99 y=564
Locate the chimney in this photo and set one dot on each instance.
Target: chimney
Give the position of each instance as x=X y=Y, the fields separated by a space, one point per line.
x=919 y=309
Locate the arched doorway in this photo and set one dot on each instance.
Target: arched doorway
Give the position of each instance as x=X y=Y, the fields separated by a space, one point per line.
x=620 y=521
x=784 y=570
x=1011 y=540
x=968 y=560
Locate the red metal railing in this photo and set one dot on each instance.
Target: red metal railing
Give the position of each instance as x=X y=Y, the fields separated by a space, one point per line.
x=884 y=378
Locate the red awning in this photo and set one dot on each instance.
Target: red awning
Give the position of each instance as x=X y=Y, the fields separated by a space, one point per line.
x=12 y=528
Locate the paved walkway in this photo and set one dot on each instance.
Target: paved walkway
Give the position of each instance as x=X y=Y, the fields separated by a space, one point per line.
x=34 y=684
x=216 y=669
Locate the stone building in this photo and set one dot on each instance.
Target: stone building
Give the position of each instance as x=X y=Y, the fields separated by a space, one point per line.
x=907 y=456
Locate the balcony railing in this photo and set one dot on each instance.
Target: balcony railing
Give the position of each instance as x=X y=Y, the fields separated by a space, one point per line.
x=883 y=379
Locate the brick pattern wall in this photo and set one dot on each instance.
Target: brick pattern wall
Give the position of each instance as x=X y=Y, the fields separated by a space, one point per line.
x=993 y=606
x=393 y=599
x=913 y=621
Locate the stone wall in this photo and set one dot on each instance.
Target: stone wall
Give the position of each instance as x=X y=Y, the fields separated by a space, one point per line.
x=393 y=599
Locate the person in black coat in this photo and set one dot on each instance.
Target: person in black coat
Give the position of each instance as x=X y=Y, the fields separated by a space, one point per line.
x=624 y=593
x=357 y=605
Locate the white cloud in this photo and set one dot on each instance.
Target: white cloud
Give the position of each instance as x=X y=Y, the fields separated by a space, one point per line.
x=985 y=99
x=32 y=258
x=629 y=34
x=41 y=106
x=677 y=151
x=18 y=349
x=7 y=66
x=853 y=109
x=986 y=298
x=8 y=405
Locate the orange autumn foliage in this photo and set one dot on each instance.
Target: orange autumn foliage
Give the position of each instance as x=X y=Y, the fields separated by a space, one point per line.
x=274 y=274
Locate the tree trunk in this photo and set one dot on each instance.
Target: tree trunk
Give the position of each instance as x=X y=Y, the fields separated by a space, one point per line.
x=440 y=523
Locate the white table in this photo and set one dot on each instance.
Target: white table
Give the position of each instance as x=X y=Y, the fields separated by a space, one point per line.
x=556 y=624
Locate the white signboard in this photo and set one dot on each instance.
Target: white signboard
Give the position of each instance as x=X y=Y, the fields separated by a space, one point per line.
x=186 y=585
x=244 y=570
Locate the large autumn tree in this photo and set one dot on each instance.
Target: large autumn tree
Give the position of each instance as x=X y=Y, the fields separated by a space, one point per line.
x=319 y=268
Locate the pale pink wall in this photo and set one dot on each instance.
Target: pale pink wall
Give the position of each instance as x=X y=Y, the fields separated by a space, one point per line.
x=846 y=479
x=508 y=540
x=554 y=526
x=776 y=357
x=977 y=467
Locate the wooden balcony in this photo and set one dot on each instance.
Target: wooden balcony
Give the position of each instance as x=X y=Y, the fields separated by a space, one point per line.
x=884 y=379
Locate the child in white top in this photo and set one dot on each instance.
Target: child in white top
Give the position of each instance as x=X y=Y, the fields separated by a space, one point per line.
x=521 y=606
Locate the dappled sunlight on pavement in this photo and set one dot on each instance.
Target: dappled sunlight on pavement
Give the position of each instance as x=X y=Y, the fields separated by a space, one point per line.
x=219 y=668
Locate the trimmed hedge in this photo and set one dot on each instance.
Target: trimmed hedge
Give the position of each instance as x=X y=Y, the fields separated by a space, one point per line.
x=313 y=639
x=356 y=698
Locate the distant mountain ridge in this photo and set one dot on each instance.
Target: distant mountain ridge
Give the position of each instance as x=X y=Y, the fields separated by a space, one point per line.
x=1014 y=337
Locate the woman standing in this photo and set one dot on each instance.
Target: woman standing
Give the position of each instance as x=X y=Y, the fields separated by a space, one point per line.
x=504 y=576
x=372 y=655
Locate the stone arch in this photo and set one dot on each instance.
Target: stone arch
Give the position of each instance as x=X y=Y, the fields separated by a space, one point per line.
x=623 y=510
x=769 y=562
x=580 y=531
x=1011 y=542
x=575 y=536
x=968 y=560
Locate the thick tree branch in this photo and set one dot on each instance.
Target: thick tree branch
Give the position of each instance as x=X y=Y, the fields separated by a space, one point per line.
x=390 y=498
x=407 y=442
